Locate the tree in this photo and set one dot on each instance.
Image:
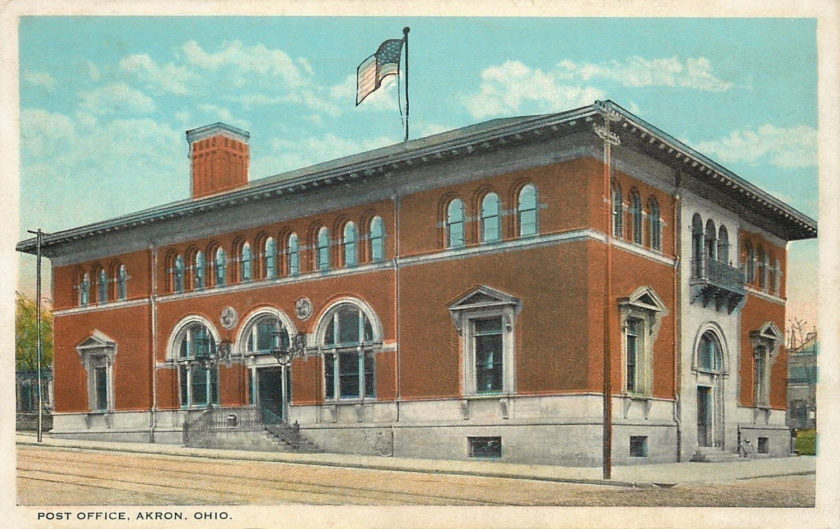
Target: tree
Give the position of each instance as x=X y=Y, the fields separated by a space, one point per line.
x=26 y=335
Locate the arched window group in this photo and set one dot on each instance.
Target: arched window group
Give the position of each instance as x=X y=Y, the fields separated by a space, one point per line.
x=198 y=380
x=709 y=249
x=101 y=285
x=348 y=335
x=266 y=257
x=762 y=269
x=490 y=216
x=645 y=227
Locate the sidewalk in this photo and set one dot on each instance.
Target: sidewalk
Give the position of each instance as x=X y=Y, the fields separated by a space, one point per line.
x=634 y=475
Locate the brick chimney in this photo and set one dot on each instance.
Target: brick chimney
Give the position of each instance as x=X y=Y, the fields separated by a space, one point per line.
x=219 y=158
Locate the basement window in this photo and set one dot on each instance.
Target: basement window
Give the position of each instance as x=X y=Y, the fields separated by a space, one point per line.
x=486 y=447
x=638 y=446
x=763 y=445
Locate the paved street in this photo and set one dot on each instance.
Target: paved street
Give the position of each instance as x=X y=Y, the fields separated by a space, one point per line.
x=52 y=475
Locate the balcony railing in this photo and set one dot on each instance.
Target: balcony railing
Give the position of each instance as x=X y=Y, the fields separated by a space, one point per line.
x=718 y=282
x=718 y=272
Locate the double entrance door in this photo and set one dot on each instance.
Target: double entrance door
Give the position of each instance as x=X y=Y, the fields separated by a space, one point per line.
x=272 y=392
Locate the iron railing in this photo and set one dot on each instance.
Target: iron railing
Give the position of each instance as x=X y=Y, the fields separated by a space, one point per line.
x=719 y=273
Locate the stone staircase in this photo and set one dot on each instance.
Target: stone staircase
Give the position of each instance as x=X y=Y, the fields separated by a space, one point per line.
x=244 y=429
x=715 y=454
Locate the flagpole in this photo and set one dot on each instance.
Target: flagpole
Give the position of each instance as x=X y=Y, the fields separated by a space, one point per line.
x=405 y=39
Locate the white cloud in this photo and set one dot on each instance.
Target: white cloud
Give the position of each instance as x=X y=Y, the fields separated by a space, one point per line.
x=696 y=73
x=789 y=147
x=288 y=154
x=117 y=98
x=513 y=86
x=244 y=59
x=174 y=79
x=137 y=158
x=217 y=113
x=42 y=79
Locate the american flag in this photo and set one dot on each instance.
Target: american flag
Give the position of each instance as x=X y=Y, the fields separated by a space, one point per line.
x=385 y=62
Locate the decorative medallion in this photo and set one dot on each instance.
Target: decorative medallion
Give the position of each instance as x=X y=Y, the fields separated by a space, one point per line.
x=228 y=318
x=303 y=308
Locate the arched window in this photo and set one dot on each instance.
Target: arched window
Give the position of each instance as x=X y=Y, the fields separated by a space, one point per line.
x=198 y=381
x=490 y=218
x=270 y=258
x=697 y=246
x=455 y=224
x=178 y=274
x=293 y=255
x=350 y=236
x=655 y=223
x=122 y=283
x=749 y=258
x=198 y=271
x=245 y=263
x=636 y=213
x=265 y=334
x=348 y=337
x=709 y=353
x=102 y=287
x=377 y=239
x=710 y=246
x=723 y=245
x=527 y=209
x=221 y=267
x=617 y=211
x=762 y=268
x=323 y=254
x=84 y=290
x=769 y=265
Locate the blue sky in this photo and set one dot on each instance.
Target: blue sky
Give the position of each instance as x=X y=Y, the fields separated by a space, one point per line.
x=105 y=102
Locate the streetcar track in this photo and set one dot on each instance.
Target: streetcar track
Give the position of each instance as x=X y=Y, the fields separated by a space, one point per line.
x=297 y=485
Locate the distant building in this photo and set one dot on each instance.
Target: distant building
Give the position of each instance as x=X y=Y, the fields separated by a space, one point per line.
x=26 y=398
x=472 y=294
x=802 y=385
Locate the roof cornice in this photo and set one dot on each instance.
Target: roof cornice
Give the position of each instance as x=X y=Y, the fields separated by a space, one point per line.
x=489 y=136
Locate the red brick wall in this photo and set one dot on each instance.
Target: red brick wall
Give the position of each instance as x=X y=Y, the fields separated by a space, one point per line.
x=129 y=327
x=757 y=312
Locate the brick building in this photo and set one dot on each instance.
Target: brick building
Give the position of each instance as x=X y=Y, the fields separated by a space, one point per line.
x=463 y=295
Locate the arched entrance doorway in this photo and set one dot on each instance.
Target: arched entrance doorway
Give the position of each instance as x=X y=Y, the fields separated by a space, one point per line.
x=710 y=374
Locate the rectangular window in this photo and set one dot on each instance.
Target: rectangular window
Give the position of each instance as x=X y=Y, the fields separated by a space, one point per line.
x=638 y=446
x=370 y=378
x=489 y=344
x=182 y=372
x=101 y=387
x=632 y=354
x=199 y=386
x=490 y=447
x=763 y=445
x=348 y=374
x=329 y=376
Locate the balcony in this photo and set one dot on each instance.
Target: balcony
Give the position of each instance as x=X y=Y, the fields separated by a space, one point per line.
x=716 y=282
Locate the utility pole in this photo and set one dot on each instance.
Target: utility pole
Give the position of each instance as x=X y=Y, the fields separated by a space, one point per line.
x=38 y=235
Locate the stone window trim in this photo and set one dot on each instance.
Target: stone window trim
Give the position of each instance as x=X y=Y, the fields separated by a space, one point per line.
x=250 y=323
x=480 y=303
x=98 y=351
x=645 y=307
x=765 y=341
x=714 y=329
x=317 y=342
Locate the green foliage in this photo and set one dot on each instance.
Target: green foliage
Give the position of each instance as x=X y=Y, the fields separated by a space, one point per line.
x=26 y=335
x=806 y=442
